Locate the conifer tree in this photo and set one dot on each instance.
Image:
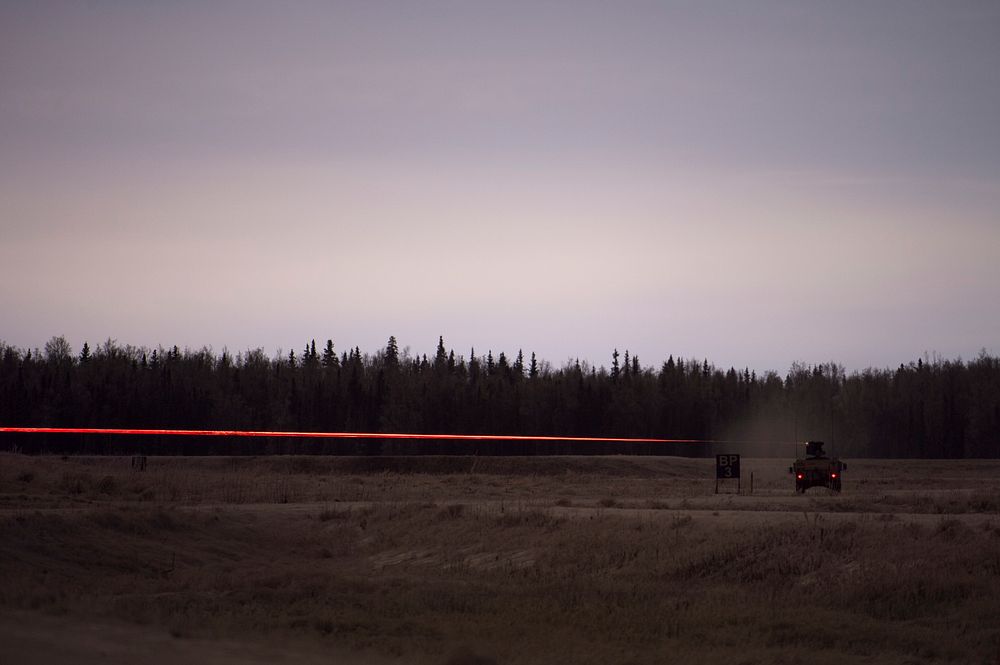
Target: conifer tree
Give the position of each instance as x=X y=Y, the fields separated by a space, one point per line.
x=307 y=357
x=474 y=368
x=392 y=353
x=329 y=355
x=441 y=356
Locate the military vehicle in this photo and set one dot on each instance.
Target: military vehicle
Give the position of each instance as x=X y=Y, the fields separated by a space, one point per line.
x=816 y=469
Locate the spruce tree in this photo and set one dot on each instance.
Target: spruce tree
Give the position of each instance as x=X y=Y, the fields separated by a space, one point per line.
x=441 y=356
x=392 y=353
x=329 y=355
x=473 y=366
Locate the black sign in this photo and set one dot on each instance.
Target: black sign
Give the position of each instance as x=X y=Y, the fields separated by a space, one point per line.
x=727 y=466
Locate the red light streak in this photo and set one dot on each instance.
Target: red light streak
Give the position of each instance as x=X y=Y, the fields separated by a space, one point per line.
x=353 y=435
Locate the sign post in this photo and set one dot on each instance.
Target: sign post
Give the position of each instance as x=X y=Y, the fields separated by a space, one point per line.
x=727 y=467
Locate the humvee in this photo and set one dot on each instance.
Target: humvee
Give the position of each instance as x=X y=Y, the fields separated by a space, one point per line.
x=816 y=469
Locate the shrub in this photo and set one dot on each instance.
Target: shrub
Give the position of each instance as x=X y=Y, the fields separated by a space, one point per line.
x=451 y=512
x=680 y=521
x=331 y=514
x=74 y=483
x=535 y=518
x=107 y=485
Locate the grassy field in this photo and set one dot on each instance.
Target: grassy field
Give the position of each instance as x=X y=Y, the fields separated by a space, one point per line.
x=494 y=560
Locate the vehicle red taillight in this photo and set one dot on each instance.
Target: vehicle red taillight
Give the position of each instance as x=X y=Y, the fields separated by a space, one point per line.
x=833 y=475
x=799 y=476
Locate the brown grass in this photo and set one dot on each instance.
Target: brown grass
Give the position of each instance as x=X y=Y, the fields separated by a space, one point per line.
x=448 y=566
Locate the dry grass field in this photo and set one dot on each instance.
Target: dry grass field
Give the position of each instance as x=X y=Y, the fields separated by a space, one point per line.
x=494 y=560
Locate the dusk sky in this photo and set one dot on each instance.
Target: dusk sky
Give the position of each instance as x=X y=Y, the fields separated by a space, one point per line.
x=752 y=182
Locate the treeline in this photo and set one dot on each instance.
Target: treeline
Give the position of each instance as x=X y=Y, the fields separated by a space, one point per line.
x=937 y=408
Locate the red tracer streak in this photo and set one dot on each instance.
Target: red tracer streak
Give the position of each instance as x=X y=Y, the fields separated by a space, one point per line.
x=332 y=435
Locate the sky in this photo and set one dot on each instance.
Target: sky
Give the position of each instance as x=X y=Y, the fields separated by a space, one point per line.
x=756 y=183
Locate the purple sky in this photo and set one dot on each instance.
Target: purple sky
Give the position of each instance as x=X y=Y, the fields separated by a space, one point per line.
x=752 y=182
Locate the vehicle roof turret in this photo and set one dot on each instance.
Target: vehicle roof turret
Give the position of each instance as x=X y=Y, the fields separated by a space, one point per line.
x=814 y=449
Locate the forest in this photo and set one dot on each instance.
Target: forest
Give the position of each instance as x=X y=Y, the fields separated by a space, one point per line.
x=929 y=408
